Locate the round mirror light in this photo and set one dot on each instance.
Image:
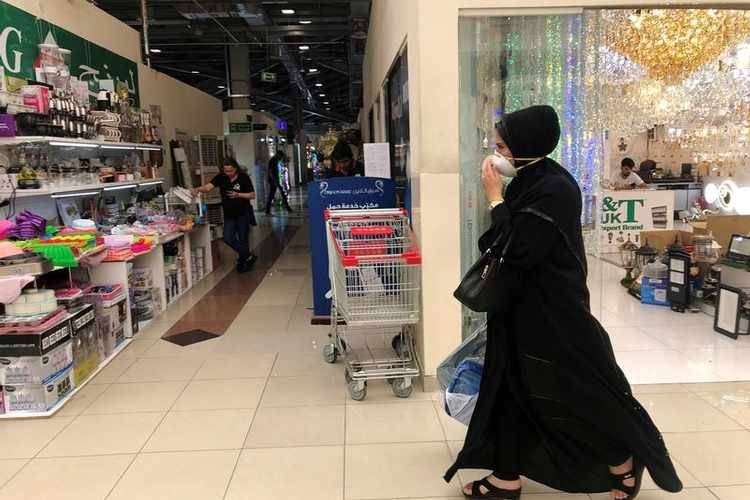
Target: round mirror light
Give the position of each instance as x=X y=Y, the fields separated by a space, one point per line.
x=711 y=193
x=727 y=195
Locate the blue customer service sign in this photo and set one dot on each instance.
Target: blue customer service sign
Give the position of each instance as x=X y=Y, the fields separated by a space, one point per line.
x=341 y=193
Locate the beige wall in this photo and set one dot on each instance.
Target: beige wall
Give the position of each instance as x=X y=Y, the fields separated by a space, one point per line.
x=430 y=28
x=183 y=107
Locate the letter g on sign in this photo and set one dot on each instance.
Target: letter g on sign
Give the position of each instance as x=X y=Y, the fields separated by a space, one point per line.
x=15 y=67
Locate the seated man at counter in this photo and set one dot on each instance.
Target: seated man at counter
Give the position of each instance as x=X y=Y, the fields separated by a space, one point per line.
x=626 y=178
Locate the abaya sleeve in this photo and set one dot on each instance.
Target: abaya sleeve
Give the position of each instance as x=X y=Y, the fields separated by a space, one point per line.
x=533 y=239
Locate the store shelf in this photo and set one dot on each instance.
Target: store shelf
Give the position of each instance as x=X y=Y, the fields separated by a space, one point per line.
x=166 y=238
x=72 y=190
x=63 y=401
x=80 y=143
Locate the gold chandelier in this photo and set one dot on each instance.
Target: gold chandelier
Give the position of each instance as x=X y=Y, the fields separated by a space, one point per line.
x=672 y=44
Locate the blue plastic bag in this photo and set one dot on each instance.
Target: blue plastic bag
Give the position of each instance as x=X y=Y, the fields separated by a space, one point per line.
x=460 y=375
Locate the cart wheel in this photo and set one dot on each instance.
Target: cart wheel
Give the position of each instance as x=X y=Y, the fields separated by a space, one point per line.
x=330 y=353
x=357 y=389
x=391 y=380
x=402 y=387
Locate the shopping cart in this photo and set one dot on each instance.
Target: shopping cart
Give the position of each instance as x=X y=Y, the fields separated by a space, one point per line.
x=375 y=271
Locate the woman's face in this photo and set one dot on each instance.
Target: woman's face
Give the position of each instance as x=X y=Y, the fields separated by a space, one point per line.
x=502 y=148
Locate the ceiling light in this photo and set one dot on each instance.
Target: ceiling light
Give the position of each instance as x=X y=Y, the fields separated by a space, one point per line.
x=288 y=12
x=326 y=102
x=155 y=51
x=262 y=110
x=196 y=72
x=313 y=70
x=304 y=47
x=305 y=21
x=322 y=95
x=221 y=87
x=318 y=84
x=328 y=109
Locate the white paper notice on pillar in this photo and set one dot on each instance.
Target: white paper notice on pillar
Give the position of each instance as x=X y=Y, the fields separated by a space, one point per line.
x=378 y=159
x=624 y=214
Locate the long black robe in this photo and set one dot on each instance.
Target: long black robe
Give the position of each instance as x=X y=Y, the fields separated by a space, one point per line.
x=547 y=354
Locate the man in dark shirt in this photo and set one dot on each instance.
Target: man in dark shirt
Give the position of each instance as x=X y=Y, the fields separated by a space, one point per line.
x=236 y=193
x=274 y=167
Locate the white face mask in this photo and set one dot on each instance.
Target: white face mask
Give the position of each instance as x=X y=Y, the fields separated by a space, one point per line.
x=506 y=168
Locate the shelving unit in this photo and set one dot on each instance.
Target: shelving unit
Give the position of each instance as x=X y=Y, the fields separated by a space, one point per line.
x=82 y=188
x=77 y=143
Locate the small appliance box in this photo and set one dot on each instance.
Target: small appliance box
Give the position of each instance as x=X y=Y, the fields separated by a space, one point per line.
x=35 y=358
x=85 y=340
x=111 y=314
x=38 y=397
x=654 y=292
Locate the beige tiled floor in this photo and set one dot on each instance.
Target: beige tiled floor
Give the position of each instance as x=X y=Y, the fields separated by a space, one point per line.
x=257 y=415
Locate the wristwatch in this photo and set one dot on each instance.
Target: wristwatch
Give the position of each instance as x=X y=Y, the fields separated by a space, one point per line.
x=494 y=204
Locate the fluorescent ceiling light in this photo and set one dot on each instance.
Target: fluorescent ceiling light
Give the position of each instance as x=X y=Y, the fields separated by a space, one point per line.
x=321 y=95
x=313 y=70
x=304 y=47
x=155 y=51
x=326 y=102
x=288 y=12
x=148 y=148
x=196 y=72
x=117 y=188
x=222 y=86
x=318 y=84
x=107 y=146
x=73 y=144
x=70 y=195
x=305 y=21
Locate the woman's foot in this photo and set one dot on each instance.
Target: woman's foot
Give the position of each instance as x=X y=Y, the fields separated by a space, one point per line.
x=630 y=482
x=513 y=487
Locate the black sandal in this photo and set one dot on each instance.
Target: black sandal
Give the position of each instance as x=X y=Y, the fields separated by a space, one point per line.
x=492 y=491
x=618 y=481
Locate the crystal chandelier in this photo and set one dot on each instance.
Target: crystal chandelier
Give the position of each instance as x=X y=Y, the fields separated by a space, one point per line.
x=671 y=44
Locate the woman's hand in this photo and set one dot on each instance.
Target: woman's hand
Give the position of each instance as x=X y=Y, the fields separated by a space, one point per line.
x=492 y=181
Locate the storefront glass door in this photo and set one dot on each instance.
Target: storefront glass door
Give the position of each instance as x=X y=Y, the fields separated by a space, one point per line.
x=511 y=62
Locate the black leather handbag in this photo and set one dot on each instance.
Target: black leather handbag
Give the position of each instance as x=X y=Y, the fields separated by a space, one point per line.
x=478 y=288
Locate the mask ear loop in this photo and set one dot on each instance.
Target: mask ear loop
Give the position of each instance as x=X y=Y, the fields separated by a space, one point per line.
x=534 y=160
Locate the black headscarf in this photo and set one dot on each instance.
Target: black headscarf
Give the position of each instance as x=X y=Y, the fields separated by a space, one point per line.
x=531 y=132
x=342 y=152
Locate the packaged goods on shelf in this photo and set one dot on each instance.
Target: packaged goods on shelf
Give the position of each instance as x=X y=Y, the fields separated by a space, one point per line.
x=85 y=341
x=37 y=397
x=142 y=279
x=2 y=401
x=32 y=302
x=110 y=305
x=36 y=357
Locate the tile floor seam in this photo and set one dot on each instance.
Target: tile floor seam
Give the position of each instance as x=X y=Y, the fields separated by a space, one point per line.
x=145 y=442
x=723 y=412
x=252 y=421
x=27 y=462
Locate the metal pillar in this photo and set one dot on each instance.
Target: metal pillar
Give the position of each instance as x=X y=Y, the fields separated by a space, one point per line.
x=144 y=19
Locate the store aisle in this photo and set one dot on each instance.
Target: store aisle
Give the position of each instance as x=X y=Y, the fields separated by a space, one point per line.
x=256 y=414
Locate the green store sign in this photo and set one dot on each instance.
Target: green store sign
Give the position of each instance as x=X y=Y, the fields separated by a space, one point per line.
x=20 y=36
x=621 y=215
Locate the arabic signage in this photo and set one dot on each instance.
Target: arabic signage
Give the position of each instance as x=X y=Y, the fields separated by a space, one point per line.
x=624 y=214
x=20 y=36
x=343 y=193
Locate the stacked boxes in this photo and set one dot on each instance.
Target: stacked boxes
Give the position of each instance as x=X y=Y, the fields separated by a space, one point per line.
x=142 y=294
x=36 y=368
x=198 y=263
x=110 y=305
x=85 y=340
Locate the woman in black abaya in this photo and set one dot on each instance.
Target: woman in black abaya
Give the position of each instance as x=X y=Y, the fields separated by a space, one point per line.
x=553 y=404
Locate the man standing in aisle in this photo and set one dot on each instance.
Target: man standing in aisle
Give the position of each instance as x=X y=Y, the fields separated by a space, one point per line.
x=274 y=182
x=236 y=194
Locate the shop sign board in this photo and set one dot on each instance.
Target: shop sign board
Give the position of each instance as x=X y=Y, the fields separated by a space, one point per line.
x=240 y=128
x=344 y=193
x=20 y=36
x=624 y=214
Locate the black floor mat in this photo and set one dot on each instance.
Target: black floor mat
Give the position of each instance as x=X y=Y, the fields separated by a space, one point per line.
x=190 y=337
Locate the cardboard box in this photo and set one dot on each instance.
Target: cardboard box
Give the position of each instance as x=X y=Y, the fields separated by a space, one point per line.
x=110 y=317
x=37 y=397
x=36 y=369
x=85 y=341
x=654 y=292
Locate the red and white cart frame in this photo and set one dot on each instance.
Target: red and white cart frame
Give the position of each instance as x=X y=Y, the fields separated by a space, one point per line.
x=375 y=272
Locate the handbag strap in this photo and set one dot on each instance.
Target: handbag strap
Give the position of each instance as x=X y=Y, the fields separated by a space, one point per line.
x=543 y=216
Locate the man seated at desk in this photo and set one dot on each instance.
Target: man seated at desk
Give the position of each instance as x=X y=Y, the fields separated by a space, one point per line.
x=626 y=178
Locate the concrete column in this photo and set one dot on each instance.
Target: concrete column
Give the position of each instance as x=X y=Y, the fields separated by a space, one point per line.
x=239 y=75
